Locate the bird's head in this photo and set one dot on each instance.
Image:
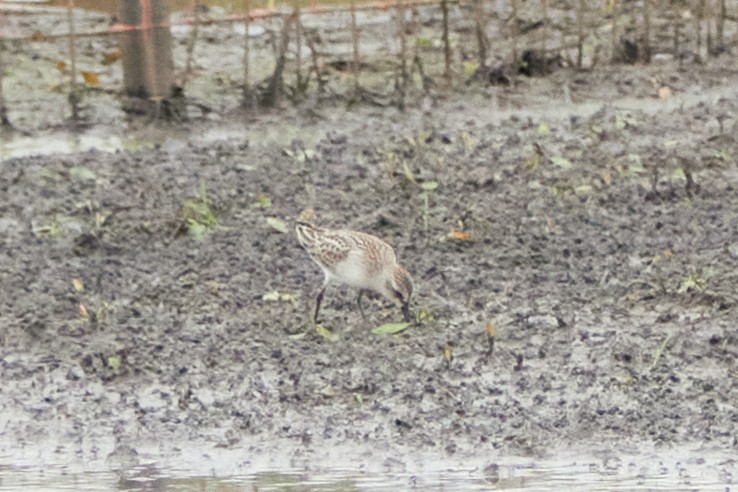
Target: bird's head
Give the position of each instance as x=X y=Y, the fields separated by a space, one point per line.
x=399 y=289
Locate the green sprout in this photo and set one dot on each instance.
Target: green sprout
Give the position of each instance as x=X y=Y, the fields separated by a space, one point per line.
x=197 y=214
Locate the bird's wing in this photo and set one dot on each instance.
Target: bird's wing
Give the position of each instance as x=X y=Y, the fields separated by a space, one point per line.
x=332 y=248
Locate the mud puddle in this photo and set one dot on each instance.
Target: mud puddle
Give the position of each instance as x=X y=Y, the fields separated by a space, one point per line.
x=272 y=129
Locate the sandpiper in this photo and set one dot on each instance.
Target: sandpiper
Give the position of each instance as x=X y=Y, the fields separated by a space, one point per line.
x=357 y=259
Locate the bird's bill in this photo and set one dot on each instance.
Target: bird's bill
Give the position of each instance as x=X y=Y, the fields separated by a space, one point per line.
x=409 y=316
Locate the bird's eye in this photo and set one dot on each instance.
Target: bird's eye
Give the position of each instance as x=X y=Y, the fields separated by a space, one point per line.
x=399 y=295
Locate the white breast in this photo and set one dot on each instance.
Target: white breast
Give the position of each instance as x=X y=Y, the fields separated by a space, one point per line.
x=353 y=271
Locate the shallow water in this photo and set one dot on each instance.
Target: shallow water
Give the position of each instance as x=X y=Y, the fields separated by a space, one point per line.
x=667 y=470
x=110 y=140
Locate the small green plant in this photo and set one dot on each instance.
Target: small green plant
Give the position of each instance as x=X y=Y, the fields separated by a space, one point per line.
x=660 y=351
x=723 y=154
x=694 y=281
x=52 y=228
x=197 y=214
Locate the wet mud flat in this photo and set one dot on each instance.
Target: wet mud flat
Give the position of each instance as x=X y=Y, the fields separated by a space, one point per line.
x=598 y=238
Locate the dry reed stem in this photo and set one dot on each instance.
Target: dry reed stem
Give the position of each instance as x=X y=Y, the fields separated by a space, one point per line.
x=580 y=33
x=698 y=18
x=647 y=31
x=614 y=33
x=298 y=46
x=355 y=48
x=720 y=28
x=248 y=96
x=191 y=44
x=403 y=79
x=446 y=44
x=515 y=33
x=479 y=22
x=4 y=120
x=546 y=21
x=73 y=93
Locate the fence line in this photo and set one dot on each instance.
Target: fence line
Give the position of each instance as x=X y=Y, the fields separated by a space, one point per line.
x=633 y=28
x=251 y=15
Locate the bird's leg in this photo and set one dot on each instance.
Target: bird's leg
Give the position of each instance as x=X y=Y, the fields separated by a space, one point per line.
x=358 y=303
x=318 y=301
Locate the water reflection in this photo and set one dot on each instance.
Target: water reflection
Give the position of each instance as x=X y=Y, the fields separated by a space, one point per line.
x=667 y=473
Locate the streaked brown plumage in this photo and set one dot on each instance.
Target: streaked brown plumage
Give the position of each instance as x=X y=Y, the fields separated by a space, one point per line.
x=357 y=259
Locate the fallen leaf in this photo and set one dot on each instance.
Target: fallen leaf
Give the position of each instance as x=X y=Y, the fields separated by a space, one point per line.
x=408 y=173
x=326 y=333
x=468 y=141
x=111 y=56
x=37 y=36
x=114 y=362
x=429 y=185
x=91 y=78
x=263 y=201
x=78 y=285
x=390 y=328
x=83 y=311
x=61 y=65
x=470 y=67
x=100 y=219
x=83 y=173
x=196 y=230
x=561 y=162
x=459 y=235
x=277 y=224
x=448 y=352
x=270 y=296
x=328 y=391
x=277 y=296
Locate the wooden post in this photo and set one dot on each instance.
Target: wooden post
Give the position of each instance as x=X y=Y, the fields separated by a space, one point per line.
x=147 y=49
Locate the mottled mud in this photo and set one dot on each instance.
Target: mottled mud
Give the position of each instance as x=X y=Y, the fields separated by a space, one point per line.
x=601 y=244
